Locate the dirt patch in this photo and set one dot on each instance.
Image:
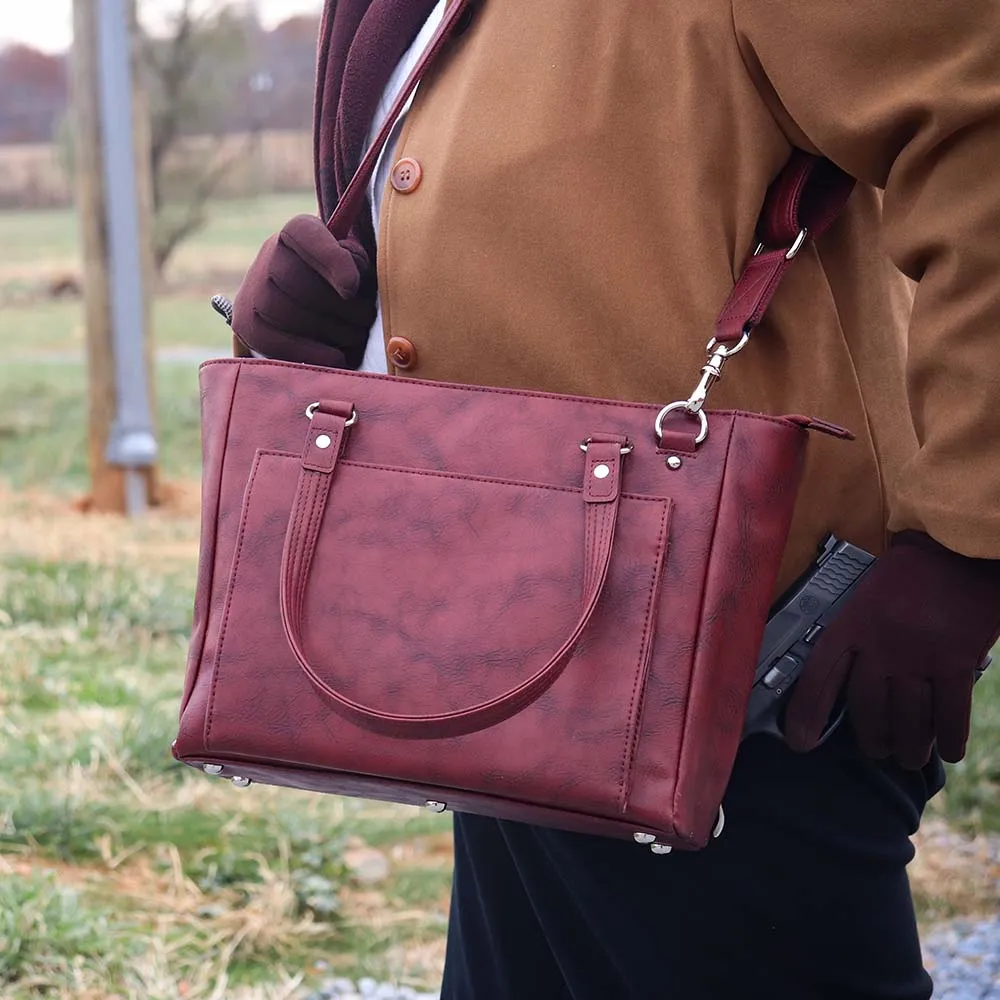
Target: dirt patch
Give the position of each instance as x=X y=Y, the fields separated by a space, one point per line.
x=46 y=527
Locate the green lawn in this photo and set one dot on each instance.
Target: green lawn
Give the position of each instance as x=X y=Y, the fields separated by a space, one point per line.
x=127 y=872
x=42 y=246
x=122 y=873
x=56 y=327
x=51 y=237
x=43 y=427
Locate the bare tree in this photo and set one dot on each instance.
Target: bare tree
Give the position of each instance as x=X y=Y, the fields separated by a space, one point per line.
x=193 y=70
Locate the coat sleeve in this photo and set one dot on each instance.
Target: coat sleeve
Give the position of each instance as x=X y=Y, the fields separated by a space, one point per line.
x=906 y=96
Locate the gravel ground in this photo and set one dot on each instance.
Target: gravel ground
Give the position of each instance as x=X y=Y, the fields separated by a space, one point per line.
x=963 y=956
x=366 y=989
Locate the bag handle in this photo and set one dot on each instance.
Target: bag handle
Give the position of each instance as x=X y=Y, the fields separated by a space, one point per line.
x=331 y=421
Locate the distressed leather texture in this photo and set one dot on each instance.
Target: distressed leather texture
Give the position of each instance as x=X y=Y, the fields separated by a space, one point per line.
x=364 y=591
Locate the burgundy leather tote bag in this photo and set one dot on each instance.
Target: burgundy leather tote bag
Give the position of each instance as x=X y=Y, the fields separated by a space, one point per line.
x=530 y=606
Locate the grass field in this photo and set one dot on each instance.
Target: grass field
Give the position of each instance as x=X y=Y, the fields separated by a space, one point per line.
x=40 y=247
x=123 y=874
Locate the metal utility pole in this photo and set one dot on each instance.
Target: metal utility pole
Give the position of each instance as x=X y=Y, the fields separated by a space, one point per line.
x=113 y=190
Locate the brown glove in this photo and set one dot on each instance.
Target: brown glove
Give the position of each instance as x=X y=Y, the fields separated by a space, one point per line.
x=904 y=651
x=307 y=297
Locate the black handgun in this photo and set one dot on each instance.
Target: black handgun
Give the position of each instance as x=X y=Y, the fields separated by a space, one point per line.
x=796 y=622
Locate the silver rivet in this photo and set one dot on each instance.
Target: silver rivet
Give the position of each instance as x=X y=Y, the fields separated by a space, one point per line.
x=324 y=441
x=674 y=462
x=660 y=848
x=436 y=807
x=719 y=823
x=212 y=768
x=241 y=782
x=644 y=838
x=602 y=471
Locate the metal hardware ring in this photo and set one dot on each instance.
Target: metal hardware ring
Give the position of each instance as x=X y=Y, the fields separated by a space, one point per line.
x=681 y=405
x=313 y=407
x=797 y=245
x=713 y=346
x=793 y=250
x=624 y=450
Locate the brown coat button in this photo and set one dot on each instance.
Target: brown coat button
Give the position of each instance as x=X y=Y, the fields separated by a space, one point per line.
x=406 y=174
x=401 y=352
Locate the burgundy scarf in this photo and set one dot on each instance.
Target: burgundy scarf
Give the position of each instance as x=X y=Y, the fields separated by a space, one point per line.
x=360 y=44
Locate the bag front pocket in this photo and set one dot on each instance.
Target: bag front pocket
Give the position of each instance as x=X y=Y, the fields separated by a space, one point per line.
x=429 y=593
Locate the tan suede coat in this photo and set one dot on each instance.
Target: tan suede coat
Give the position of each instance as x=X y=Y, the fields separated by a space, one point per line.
x=591 y=177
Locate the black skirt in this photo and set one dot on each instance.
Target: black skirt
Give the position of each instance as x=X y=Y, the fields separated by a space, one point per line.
x=805 y=895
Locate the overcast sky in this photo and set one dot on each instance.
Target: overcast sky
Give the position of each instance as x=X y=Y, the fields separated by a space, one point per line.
x=47 y=24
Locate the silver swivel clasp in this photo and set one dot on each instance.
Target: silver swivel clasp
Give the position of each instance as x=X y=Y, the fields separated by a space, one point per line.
x=711 y=372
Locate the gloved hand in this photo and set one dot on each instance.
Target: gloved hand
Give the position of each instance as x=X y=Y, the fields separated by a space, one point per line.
x=906 y=646
x=303 y=297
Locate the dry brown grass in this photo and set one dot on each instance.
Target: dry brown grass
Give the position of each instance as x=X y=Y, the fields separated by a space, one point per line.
x=41 y=526
x=955 y=874
x=32 y=176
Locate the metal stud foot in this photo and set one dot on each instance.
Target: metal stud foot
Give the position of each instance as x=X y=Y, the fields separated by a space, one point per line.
x=241 y=782
x=644 y=838
x=436 y=807
x=212 y=768
x=719 y=823
x=660 y=848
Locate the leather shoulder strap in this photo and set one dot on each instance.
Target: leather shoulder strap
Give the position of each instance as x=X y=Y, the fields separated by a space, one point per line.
x=350 y=203
x=801 y=204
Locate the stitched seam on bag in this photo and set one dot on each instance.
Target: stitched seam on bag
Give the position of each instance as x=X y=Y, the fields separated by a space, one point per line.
x=606 y=524
x=428 y=790
x=299 y=542
x=306 y=506
x=195 y=661
x=311 y=534
x=482 y=479
x=639 y=686
x=677 y=451
x=229 y=600
x=317 y=504
x=458 y=387
x=588 y=547
x=458 y=475
x=701 y=623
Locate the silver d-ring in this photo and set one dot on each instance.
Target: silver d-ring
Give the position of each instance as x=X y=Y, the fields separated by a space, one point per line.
x=313 y=407
x=681 y=405
x=792 y=251
x=626 y=449
x=797 y=244
x=713 y=346
x=719 y=823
